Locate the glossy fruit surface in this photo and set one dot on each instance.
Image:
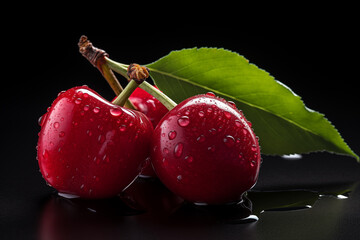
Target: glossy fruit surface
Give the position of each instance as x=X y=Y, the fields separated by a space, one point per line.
x=148 y=105
x=154 y=110
x=90 y=147
x=205 y=151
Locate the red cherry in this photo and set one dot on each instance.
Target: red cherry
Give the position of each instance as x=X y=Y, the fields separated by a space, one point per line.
x=154 y=110
x=148 y=105
x=90 y=147
x=205 y=151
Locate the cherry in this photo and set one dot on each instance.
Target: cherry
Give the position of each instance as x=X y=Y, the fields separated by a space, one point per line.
x=205 y=151
x=154 y=110
x=149 y=105
x=90 y=147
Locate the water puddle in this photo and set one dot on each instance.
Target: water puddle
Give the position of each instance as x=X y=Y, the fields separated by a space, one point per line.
x=150 y=197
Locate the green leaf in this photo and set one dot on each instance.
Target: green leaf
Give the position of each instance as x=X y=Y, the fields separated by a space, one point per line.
x=279 y=117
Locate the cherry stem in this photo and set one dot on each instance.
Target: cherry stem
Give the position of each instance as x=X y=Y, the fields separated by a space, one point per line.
x=163 y=98
x=111 y=79
x=125 y=94
x=97 y=58
x=122 y=70
x=137 y=75
x=117 y=67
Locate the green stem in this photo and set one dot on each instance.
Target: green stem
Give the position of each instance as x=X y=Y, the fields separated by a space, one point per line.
x=117 y=67
x=114 y=83
x=165 y=100
x=111 y=79
x=122 y=70
x=97 y=57
x=125 y=94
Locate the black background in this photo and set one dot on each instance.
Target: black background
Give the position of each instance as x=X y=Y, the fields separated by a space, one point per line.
x=314 y=52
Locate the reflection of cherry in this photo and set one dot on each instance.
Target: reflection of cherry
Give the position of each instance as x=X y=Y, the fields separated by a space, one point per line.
x=152 y=196
x=90 y=147
x=154 y=110
x=63 y=218
x=205 y=151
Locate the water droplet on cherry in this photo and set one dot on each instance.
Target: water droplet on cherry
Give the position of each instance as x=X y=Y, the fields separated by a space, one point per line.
x=96 y=178
x=45 y=154
x=86 y=107
x=210 y=94
x=122 y=128
x=56 y=125
x=62 y=134
x=245 y=131
x=229 y=140
x=41 y=119
x=179 y=177
x=183 y=121
x=201 y=113
x=106 y=158
x=172 y=135
x=212 y=131
x=252 y=163
x=238 y=123
x=254 y=148
x=101 y=139
x=178 y=149
x=115 y=112
x=200 y=139
x=96 y=110
x=211 y=148
x=189 y=159
x=227 y=115
x=78 y=101
x=61 y=93
x=232 y=104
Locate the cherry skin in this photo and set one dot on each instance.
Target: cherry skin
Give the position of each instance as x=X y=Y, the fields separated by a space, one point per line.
x=154 y=110
x=89 y=147
x=149 y=105
x=205 y=151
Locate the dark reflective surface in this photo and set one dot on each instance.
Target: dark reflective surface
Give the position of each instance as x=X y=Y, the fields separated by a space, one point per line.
x=147 y=210
x=147 y=204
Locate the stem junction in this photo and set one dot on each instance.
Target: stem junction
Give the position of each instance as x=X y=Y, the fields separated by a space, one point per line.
x=135 y=74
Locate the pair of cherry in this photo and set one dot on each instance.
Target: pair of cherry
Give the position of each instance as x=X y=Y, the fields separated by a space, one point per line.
x=204 y=150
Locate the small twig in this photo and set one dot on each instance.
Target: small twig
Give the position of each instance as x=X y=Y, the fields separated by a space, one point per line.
x=94 y=55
